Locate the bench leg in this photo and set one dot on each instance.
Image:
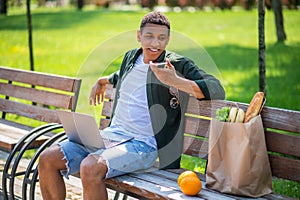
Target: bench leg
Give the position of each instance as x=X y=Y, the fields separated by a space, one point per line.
x=8 y=176
x=117 y=195
x=15 y=157
x=206 y=165
x=33 y=179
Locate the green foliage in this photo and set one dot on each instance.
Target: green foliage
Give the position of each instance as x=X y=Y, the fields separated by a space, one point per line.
x=193 y=163
x=222 y=114
x=286 y=187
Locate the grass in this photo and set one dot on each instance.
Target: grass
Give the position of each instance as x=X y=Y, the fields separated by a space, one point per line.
x=90 y=43
x=65 y=38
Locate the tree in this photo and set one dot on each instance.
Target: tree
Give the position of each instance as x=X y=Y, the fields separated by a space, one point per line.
x=3 y=7
x=277 y=9
x=261 y=46
x=80 y=4
x=29 y=26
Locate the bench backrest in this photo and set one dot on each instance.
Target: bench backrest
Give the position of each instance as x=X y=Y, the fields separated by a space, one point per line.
x=36 y=95
x=282 y=131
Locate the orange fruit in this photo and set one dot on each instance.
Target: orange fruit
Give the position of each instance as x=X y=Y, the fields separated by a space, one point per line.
x=186 y=174
x=189 y=183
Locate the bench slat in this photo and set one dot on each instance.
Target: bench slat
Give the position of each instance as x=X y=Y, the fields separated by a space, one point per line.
x=197 y=126
x=104 y=123
x=107 y=109
x=208 y=108
x=286 y=168
x=123 y=184
x=109 y=92
x=272 y=117
x=37 y=96
x=38 y=79
x=174 y=173
x=281 y=119
x=10 y=136
x=152 y=186
x=282 y=143
x=195 y=147
x=29 y=111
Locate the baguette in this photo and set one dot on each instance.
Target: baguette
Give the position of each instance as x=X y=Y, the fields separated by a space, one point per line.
x=254 y=106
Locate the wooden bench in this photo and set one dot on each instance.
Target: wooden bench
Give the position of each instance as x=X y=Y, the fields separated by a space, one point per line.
x=35 y=96
x=282 y=130
x=28 y=99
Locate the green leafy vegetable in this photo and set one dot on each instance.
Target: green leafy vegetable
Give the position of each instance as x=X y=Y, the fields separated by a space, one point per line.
x=222 y=114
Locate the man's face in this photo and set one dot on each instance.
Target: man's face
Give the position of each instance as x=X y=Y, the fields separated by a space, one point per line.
x=154 y=39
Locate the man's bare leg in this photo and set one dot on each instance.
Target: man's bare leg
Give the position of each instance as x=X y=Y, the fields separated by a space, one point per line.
x=93 y=170
x=52 y=185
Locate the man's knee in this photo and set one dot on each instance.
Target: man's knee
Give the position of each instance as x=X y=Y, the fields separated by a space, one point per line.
x=93 y=168
x=52 y=158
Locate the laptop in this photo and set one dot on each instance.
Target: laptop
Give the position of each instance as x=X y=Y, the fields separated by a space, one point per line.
x=82 y=129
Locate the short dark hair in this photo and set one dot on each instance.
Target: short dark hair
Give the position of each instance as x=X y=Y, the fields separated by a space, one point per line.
x=155 y=17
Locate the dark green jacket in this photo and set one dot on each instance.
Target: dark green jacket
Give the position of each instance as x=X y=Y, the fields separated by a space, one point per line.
x=168 y=123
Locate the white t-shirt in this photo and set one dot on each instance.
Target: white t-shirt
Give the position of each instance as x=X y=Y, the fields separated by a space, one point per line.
x=131 y=115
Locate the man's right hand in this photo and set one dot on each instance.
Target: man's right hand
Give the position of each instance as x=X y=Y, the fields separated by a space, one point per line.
x=98 y=90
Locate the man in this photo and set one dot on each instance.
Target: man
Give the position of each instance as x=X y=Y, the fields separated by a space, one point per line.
x=149 y=106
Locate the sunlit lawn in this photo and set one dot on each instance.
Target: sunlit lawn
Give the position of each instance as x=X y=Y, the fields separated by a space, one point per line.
x=84 y=44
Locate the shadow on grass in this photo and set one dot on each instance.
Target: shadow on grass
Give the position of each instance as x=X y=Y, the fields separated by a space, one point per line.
x=53 y=20
x=240 y=75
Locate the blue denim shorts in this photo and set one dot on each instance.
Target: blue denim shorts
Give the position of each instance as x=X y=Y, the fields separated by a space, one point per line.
x=131 y=156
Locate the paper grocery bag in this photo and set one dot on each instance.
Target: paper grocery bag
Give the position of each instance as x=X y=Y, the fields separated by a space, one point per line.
x=237 y=159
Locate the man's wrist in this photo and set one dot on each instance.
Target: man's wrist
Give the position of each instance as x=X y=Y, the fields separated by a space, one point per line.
x=103 y=80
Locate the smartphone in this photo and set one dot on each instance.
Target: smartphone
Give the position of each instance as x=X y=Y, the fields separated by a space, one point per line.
x=161 y=65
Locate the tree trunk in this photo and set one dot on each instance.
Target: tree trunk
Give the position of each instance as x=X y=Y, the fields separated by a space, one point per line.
x=3 y=7
x=80 y=4
x=277 y=9
x=29 y=26
x=261 y=46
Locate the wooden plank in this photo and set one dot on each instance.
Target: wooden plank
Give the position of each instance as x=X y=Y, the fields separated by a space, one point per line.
x=272 y=117
x=110 y=92
x=37 y=96
x=15 y=124
x=30 y=111
x=286 y=168
x=196 y=126
x=168 y=179
x=281 y=119
x=107 y=109
x=75 y=90
x=195 y=147
x=283 y=143
x=104 y=123
x=149 y=186
x=133 y=187
x=175 y=173
x=7 y=145
x=208 y=108
x=38 y=78
x=10 y=136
